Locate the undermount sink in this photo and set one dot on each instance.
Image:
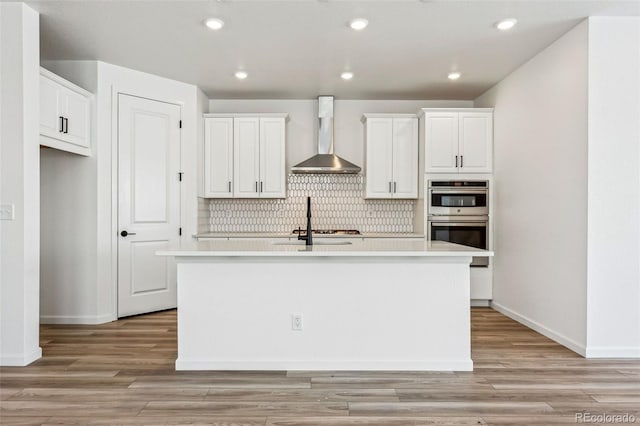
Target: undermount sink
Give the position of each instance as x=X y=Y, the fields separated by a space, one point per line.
x=315 y=243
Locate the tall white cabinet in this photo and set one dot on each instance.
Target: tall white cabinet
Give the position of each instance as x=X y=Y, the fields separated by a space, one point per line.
x=458 y=140
x=391 y=155
x=244 y=156
x=64 y=114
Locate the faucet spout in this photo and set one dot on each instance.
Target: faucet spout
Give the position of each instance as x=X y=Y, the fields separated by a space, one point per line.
x=307 y=238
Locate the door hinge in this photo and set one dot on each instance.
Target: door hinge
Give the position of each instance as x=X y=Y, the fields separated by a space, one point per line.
x=180 y=176
x=179 y=231
x=180 y=124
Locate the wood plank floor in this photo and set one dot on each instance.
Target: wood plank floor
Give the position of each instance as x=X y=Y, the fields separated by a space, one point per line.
x=122 y=373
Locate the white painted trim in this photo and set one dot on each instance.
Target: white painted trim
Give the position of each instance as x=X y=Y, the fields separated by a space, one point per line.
x=77 y=319
x=484 y=303
x=337 y=365
x=64 y=146
x=613 y=352
x=536 y=326
x=284 y=115
x=20 y=360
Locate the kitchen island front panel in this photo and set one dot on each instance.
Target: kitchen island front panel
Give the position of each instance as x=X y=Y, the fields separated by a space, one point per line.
x=377 y=305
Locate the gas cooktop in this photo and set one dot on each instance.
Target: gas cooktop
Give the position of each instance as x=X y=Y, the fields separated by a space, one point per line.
x=328 y=231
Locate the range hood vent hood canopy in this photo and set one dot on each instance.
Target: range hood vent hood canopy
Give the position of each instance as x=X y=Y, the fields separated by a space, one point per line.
x=325 y=161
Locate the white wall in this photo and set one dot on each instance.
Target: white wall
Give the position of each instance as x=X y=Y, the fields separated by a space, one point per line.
x=87 y=293
x=613 y=327
x=540 y=192
x=302 y=127
x=19 y=183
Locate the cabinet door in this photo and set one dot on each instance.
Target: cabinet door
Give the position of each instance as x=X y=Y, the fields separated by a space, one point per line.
x=379 y=158
x=272 y=154
x=405 y=158
x=50 y=113
x=218 y=157
x=76 y=112
x=246 y=157
x=441 y=142
x=476 y=142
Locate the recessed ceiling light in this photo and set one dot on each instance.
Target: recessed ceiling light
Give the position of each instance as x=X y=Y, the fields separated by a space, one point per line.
x=454 y=75
x=214 y=23
x=358 y=24
x=346 y=75
x=241 y=75
x=506 y=24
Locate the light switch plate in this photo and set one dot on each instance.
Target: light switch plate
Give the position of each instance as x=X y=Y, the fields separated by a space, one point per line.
x=7 y=212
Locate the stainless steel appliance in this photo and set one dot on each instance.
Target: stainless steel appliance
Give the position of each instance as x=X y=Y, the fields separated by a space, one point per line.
x=458 y=198
x=458 y=212
x=325 y=161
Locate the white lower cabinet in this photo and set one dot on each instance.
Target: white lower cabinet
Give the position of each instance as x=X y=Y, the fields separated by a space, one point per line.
x=244 y=156
x=65 y=115
x=391 y=156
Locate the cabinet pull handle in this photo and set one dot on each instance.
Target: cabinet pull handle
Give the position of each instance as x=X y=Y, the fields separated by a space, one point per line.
x=61 y=124
x=456 y=161
x=66 y=125
x=256 y=186
x=229 y=186
x=461 y=161
x=389 y=186
x=260 y=186
x=395 y=187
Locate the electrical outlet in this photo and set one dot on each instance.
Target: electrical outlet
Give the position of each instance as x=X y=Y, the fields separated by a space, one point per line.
x=7 y=212
x=296 y=322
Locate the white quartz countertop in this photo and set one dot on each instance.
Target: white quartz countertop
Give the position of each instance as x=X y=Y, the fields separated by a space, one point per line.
x=323 y=248
x=290 y=235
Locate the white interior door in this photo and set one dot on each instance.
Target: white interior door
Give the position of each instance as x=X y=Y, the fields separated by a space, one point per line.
x=148 y=203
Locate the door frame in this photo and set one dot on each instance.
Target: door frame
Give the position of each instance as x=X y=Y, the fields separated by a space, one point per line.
x=116 y=91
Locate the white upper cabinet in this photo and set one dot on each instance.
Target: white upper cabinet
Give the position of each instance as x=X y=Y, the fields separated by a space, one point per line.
x=391 y=156
x=218 y=154
x=64 y=114
x=475 y=142
x=458 y=141
x=272 y=158
x=244 y=156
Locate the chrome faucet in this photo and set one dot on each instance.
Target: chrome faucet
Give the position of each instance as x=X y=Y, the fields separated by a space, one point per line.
x=307 y=238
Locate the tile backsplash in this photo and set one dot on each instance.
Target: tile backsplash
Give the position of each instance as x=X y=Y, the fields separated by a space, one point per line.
x=336 y=203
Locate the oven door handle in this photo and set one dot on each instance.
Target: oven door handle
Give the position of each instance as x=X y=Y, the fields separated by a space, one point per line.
x=467 y=224
x=459 y=191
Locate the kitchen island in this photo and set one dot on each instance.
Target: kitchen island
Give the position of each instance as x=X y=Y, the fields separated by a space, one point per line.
x=366 y=305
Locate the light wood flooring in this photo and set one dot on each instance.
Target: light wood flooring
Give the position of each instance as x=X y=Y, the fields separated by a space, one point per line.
x=122 y=373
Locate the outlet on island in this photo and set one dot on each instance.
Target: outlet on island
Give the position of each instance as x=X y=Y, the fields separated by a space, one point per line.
x=296 y=322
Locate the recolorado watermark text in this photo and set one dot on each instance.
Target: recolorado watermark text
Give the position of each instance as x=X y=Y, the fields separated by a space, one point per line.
x=601 y=418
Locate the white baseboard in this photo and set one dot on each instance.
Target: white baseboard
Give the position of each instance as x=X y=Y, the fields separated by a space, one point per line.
x=545 y=331
x=613 y=352
x=436 y=365
x=20 y=360
x=483 y=303
x=76 y=319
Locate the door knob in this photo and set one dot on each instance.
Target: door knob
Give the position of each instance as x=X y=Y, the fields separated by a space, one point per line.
x=125 y=233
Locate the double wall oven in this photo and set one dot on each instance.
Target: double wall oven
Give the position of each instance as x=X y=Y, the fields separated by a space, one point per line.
x=458 y=212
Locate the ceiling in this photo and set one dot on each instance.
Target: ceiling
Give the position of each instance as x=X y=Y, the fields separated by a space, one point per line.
x=298 y=48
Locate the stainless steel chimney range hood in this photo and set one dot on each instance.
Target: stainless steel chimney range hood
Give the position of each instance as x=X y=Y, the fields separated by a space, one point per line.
x=325 y=161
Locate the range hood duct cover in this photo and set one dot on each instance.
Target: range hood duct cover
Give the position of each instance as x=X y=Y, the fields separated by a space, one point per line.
x=325 y=161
